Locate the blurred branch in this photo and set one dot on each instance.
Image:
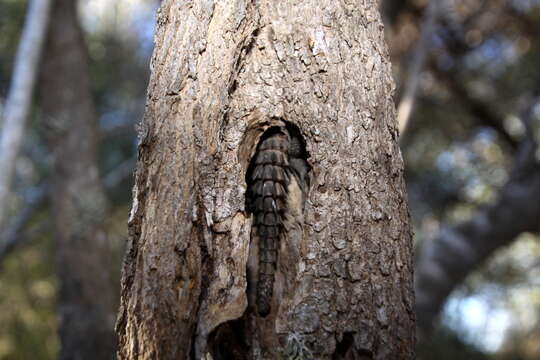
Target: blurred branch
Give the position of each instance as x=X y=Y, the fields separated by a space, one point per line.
x=119 y=174
x=455 y=44
x=444 y=262
x=480 y=110
x=406 y=103
x=14 y=236
x=17 y=234
x=390 y=10
x=530 y=27
x=19 y=97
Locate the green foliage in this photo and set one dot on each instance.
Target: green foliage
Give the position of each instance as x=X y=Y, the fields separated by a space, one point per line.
x=28 y=289
x=12 y=14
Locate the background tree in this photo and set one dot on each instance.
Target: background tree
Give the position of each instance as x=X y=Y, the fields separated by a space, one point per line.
x=221 y=73
x=28 y=285
x=86 y=302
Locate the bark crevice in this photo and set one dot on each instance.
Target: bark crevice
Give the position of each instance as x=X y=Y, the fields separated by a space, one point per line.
x=320 y=66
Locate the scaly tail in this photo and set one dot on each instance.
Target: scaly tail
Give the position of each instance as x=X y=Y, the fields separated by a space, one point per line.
x=267 y=185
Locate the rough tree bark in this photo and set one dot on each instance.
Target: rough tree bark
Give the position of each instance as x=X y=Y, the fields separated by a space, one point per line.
x=86 y=300
x=223 y=73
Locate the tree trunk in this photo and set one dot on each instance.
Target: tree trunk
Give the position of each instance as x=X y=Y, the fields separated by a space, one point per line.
x=226 y=75
x=86 y=301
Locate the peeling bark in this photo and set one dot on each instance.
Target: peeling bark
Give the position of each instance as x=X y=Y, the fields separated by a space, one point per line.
x=222 y=73
x=86 y=300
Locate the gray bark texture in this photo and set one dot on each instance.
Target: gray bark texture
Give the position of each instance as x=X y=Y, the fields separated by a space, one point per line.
x=224 y=72
x=87 y=292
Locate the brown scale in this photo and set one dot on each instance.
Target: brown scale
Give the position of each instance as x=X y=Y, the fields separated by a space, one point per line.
x=267 y=194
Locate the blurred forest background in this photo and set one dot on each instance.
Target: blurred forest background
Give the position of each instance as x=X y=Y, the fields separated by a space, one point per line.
x=467 y=91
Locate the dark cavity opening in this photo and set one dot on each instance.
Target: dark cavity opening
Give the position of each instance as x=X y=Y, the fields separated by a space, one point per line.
x=343 y=346
x=294 y=132
x=228 y=341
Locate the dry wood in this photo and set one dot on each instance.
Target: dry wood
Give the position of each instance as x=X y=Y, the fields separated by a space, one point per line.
x=222 y=72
